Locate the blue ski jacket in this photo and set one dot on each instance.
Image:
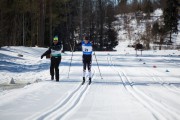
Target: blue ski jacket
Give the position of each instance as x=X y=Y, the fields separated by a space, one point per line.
x=86 y=48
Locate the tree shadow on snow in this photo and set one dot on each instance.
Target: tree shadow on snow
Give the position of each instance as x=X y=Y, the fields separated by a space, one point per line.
x=14 y=67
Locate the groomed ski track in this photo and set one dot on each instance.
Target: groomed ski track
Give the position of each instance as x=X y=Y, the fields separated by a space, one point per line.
x=158 y=109
x=129 y=89
x=64 y=106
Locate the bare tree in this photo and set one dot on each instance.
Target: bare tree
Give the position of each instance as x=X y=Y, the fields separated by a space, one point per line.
x=147 y=36
x=41 y=22
x=123 y=7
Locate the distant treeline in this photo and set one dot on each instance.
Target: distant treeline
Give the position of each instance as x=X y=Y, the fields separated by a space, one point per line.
x=35 y=22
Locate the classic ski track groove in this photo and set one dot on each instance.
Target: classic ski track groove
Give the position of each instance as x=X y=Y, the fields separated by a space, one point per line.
x=155 y=77
x=168 y=60
x=160 y=81
x=165 y=85
x=69 y=103
x=132 y=91
x=75 y=101
x=143 y=98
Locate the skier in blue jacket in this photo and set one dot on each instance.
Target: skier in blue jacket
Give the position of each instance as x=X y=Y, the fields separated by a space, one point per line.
x=87 y=57
x=55 y=54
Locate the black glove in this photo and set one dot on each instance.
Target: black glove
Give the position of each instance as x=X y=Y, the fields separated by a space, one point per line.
x=42 y=56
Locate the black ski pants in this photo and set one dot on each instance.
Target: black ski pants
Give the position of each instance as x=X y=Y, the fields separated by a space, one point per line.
x=87 y=60
x=55 y=61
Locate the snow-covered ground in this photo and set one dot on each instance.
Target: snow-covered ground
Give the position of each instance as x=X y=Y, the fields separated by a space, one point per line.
x=135 y=29
x=129 y=87
x=132 y=87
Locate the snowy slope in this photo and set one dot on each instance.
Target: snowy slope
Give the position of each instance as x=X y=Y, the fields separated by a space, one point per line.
x=131 y=88
x=136 y=30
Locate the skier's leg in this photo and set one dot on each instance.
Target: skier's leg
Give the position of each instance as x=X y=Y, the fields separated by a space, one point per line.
x=89 y=69
x=84 y=69
x=84 y=65
x=58 y=61
x=89 y=61
x=52 y=68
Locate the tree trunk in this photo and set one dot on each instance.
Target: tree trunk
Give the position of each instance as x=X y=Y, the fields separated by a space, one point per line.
x=161 y=42
x=23 y=30
x=101 y=24
x=14 y=31
x=81 y=21
x=1 y=39
x=170 y=36
x=41 y=22
x=32 y=25
x=50 y=21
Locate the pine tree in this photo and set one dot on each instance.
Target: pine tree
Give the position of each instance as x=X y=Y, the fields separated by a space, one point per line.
x=111 y=35
x=171 y=17
x=148 y=7
x=123 y=6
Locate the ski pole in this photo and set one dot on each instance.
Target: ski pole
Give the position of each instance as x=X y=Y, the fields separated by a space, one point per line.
x=98 y=65
x=72 y=49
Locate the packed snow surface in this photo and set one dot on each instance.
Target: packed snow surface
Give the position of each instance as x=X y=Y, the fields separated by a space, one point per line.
x=124 y=86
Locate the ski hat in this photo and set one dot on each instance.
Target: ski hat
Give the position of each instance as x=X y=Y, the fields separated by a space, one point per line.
x=86 y=38
x=55 y=38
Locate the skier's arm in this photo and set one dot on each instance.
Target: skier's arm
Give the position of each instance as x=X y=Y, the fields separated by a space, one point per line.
x=46 y=53
x=79 y=44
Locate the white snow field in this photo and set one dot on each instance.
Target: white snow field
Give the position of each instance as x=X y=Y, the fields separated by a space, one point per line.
x=132 y=87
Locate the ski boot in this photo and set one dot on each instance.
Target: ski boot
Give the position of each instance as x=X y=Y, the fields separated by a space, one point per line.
x=52 y=77
x=57 y=77
x=89 y=81
x=83 y=80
